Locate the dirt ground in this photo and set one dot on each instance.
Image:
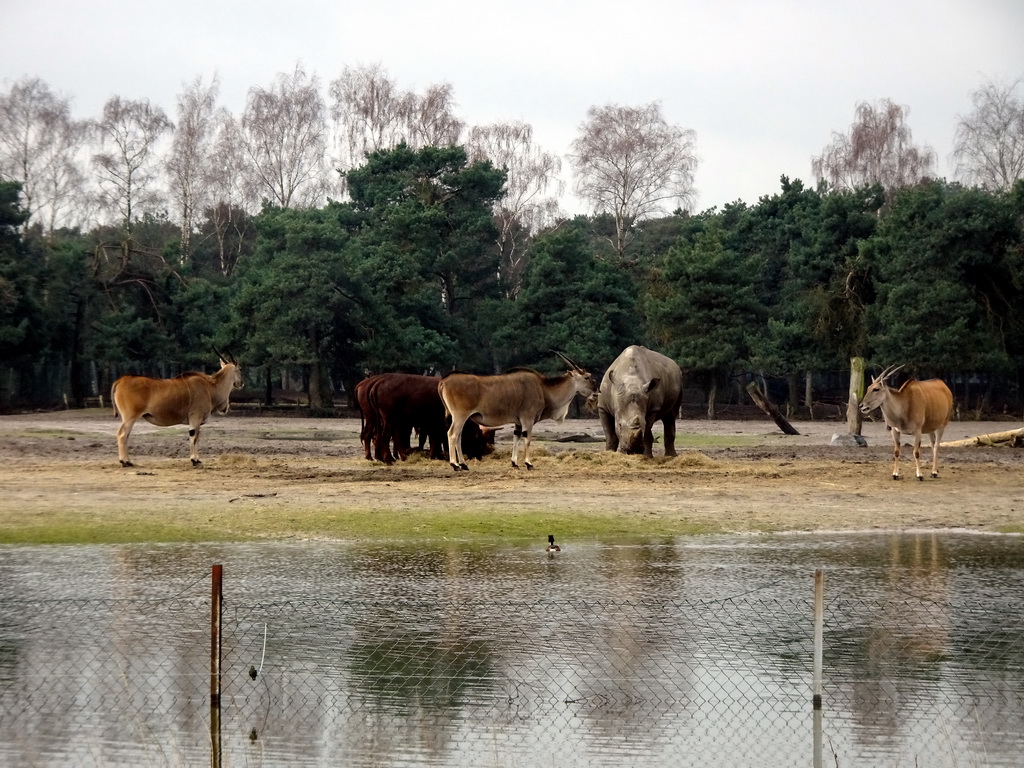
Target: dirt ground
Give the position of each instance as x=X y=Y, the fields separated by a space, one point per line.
x=730 y=476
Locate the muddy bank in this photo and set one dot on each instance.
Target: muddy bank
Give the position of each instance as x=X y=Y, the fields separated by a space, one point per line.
x=260 y=473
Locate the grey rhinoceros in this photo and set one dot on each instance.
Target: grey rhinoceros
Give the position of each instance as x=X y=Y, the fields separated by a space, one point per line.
x=639 y=388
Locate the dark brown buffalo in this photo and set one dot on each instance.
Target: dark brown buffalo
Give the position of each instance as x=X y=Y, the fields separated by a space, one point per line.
x=403 y=402
x=368 y=416
x=395 y=404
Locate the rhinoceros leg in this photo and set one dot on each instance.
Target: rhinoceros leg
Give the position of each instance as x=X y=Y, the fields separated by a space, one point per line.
x=669 y=423
x=648 y=442
x=611 y=439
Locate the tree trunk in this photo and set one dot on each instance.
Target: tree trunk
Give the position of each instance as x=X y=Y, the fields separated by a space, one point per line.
x=770 y=409
x=794 y=398
x=6 y=387
x=319 y=386
x=79 y=386
x=712 y=395
x=854 y=418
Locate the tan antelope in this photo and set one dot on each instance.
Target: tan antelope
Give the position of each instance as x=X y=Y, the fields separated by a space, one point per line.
x=185 y=399
x=916 y=408
x=520 y=396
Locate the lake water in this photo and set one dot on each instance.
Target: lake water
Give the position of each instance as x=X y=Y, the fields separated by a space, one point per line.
x=690 y=651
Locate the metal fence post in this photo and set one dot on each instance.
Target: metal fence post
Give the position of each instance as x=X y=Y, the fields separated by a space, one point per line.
x=215 y=660
x=819 y=631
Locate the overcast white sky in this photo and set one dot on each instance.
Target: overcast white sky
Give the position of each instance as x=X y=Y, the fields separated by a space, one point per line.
x=764 y=84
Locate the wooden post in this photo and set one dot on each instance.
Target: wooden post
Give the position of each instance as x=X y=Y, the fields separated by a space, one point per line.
x=854 y=418
x=771 y=410
x=215 y=635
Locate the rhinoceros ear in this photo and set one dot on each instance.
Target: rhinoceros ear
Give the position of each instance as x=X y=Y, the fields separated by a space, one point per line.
x=652 y=384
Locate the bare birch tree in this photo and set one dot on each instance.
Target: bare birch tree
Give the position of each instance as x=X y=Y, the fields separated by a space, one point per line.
x=370 y=112
x=128 y=171
x=188 y=164
x=631 y=163
x=284 y=132
x=234 y=203
x=988 y=148
x=431 y=119
x=40 y=145
x=532 y=189
x=879 y=149
x=63 y=195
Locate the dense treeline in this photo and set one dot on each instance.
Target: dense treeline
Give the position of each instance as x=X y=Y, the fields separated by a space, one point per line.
x=408 y=274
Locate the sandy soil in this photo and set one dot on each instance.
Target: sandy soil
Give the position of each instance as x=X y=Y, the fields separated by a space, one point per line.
x=730 y=475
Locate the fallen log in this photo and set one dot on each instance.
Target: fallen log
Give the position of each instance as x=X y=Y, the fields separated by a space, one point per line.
x=582 y=437
x=1015 y=437
x=771 y=410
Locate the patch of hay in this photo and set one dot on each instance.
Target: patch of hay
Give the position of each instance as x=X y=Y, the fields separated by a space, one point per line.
x=691 y=460
x=242 y=460
x=590 y=458
x=417 y=457
x=612 y=460
x=505 y=454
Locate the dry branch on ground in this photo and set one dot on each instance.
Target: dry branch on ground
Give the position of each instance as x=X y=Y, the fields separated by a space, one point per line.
x=1012 y=437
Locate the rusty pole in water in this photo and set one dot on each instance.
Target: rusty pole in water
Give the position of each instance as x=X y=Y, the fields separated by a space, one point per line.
x=215 y=660
x=819 y=622
x=819 y=627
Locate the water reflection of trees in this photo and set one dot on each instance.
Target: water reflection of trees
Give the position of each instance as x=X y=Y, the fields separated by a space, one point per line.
x=95 y=668
x=897 y=645
x=440 y=654
x=526 y=662
x=419 y=678
x=886 y=636
x=415 y=663
x=618 y=652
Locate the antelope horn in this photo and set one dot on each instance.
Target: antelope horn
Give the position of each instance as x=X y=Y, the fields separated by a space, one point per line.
x=567 y=359
x=890 y=371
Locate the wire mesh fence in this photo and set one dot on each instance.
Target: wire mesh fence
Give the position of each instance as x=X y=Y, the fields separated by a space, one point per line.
x=917 y=677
